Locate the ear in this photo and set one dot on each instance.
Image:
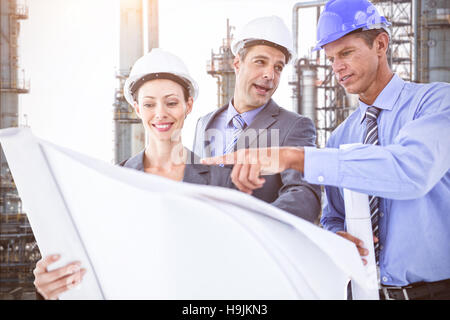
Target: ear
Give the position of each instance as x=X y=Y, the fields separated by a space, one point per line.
x=137 y=109
x=189 y=105
x=237 y=64
x=382 y=43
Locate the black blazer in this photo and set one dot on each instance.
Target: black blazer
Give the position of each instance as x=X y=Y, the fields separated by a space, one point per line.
x=194 y=171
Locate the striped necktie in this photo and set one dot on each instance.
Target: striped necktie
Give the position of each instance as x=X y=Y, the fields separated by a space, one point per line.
x=238 y=127
x=371 y=137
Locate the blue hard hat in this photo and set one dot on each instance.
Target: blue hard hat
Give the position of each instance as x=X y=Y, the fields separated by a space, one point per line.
x=340 y=17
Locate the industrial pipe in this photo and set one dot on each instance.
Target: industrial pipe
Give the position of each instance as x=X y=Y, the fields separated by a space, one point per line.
x=302 y=5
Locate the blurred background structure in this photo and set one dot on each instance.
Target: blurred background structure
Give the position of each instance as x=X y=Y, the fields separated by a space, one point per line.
x=221 y=67
x=18 y=249
x=419 y=52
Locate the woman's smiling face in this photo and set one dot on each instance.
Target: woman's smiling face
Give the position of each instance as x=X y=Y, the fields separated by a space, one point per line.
x=162 y=106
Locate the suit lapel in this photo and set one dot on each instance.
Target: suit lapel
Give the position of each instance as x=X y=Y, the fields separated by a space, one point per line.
x=213 y=116
x=136 y=162
x=195 y=172
x=264 y=119
x=206 y=135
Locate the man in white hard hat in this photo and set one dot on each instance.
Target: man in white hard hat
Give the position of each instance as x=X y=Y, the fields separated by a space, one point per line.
x=402 y=163
x=251 y=119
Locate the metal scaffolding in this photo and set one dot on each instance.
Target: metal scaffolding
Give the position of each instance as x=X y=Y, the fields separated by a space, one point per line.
x=399 y=13
x=432 y=35
x=221 y=67
x=18 y=249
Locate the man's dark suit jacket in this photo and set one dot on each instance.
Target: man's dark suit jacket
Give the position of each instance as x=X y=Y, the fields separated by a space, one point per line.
x=288 y=190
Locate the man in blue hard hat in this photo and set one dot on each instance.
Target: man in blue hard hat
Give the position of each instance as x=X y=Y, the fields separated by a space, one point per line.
x=403 y=163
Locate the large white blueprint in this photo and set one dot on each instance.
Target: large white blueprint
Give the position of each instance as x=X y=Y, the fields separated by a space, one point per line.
x=141 y=236
x=359 y=224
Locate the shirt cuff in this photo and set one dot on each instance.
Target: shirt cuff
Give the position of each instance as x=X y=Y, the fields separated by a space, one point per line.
x=335 y=226
x=321 y=166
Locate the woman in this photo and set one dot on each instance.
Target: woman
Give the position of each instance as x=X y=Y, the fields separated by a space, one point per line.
x=162 y=93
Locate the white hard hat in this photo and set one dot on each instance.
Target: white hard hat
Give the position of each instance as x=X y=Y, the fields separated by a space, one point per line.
x=267 y=31
x=158 y=64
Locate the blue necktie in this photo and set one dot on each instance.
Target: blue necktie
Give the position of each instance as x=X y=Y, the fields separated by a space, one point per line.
x=238 y=126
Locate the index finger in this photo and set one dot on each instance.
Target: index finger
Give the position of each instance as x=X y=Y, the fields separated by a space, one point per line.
x=41 y=265
x=229 y=158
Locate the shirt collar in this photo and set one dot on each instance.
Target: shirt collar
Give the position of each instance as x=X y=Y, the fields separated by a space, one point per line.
x=387 y=97
x=248 y=116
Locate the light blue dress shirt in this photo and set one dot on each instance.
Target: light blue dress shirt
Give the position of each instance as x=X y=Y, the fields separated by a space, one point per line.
x=409 y=170
x=223 y=123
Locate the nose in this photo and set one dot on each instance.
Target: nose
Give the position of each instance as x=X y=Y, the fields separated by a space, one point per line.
x=269 y=73
x=338 y=66
x=160 y=111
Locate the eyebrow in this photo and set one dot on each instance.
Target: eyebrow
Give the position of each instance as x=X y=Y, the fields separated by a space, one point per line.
x=168 y=95
x=343 y=49
x=346 y=48
x=266 y=58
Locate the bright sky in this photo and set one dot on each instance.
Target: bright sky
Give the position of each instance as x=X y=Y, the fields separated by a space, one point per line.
x=68 y=50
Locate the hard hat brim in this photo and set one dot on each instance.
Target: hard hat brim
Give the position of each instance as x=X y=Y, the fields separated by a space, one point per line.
x=193 y=86
x=337 y=35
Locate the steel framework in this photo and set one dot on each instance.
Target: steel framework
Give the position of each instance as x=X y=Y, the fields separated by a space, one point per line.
x=18 y=249
x=221 y=67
